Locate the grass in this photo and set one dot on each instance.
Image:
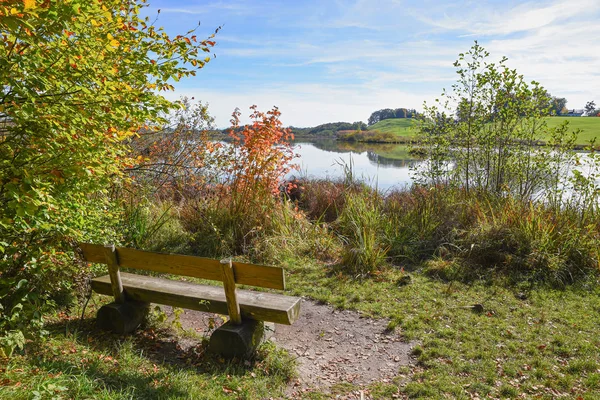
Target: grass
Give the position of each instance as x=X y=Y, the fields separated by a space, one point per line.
x=399 y=127
x=499 y=300
x=531 y=341
x=483 y=321
x=81 y=362
x=590 y=127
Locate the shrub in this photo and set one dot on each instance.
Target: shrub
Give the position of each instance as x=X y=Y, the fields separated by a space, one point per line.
x=531 y=241
x=226 y=217
x=72 y=92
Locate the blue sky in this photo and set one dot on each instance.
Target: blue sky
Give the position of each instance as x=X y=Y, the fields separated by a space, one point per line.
x=326 y=61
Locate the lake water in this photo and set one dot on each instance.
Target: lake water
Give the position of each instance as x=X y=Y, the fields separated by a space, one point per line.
x=384 y=166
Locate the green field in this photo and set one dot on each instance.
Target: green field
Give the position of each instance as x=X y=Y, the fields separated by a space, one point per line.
x=399 y=127
x=590 y=127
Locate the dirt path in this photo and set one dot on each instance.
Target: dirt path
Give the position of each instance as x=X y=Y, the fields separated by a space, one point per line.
x=332 y=347
x=335 y=346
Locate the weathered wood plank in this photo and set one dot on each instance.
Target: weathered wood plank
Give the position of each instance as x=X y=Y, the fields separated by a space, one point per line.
x=233 y=307
x=111 y=260
x=197 y=267
x=261 y=306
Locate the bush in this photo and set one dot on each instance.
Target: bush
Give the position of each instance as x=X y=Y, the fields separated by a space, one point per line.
x=240 y=199
x=461 y=235
x=361 y=225
x=71 y=97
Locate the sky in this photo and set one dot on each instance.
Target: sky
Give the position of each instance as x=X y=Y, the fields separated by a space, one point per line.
x=335 y=60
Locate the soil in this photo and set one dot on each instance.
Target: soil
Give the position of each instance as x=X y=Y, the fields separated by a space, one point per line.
x=331 y=347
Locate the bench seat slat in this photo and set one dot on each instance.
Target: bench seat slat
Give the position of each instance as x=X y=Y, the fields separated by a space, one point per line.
x=262 y=306
x=197 y=267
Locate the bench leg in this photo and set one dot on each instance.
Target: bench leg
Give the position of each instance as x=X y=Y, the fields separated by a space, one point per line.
x=121 y=317
x=231 y=340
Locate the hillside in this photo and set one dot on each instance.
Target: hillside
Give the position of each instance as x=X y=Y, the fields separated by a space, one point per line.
x=388 y=129
x=328 y=130
x=396 y=126
x=590 y=127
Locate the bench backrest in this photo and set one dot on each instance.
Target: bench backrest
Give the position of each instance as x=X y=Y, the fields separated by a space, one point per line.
x=226 y=271
x=196 y=267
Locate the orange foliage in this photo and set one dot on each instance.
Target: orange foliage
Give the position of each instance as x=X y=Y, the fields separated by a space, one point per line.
x=259 y=157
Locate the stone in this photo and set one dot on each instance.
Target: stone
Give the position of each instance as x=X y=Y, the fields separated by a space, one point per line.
x=269 y=331
x=231 y=340
x=122 y=317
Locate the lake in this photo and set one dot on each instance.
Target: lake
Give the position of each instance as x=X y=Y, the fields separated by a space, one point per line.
x=384 y=166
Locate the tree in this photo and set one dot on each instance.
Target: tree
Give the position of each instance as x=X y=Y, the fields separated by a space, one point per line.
x=172 y=160
x=558 y=105
x=388 y=113
x=488 y=144
x=400 y=113
x=374 y=118
x=590 y=108
x=79 y=78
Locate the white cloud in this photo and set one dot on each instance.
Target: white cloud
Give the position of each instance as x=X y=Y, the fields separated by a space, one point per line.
x=305 y=105
x=203 y=8
x=403 y=61
x=564 y=58
x=485 y=21
x=555 y=44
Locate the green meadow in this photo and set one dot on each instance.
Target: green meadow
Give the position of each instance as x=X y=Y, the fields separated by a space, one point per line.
x=589 y=126
x=400 y=127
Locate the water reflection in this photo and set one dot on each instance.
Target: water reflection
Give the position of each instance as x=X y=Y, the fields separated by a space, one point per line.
x=381 y=165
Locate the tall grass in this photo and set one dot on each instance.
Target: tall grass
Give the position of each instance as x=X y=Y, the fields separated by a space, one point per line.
x=490 y=234
x=358 y=231
x=361 y=227
x=154 y=226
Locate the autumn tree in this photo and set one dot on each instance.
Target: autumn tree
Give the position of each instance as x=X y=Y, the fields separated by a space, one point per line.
x=79 y=77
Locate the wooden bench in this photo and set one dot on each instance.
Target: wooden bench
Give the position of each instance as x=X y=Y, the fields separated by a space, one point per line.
x=247 y=310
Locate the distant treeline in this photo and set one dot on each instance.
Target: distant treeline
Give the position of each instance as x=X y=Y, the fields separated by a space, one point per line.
x=329 y=129
x=388 y=113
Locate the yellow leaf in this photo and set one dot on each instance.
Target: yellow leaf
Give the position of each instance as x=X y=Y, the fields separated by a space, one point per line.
x=14 y=11
x=29 y=4
x=109 y=36
x=114 y=43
